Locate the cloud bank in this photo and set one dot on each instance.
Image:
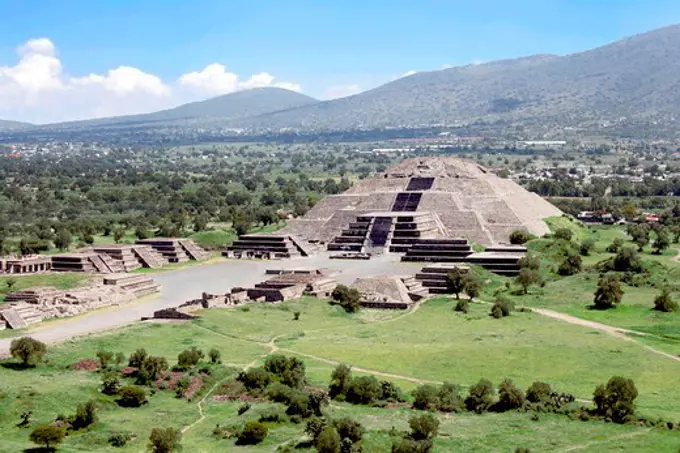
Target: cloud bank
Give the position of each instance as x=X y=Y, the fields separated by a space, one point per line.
x=38 y=89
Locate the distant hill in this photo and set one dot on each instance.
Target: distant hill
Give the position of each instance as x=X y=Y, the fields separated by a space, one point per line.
x=6 y=125
x=246 y=103
x=638 y=77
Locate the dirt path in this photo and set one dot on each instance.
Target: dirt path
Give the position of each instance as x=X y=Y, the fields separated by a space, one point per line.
x=618 y=332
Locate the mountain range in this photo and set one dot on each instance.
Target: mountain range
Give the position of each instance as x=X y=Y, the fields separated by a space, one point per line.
x=635 y=78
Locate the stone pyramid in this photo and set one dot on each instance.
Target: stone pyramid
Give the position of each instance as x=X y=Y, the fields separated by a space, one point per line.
x=464 y=198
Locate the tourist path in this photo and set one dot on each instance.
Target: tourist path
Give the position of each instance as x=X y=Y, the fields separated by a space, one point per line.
x=185 y=284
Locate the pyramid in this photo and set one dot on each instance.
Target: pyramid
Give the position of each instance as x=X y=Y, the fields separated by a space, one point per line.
x=461 y=198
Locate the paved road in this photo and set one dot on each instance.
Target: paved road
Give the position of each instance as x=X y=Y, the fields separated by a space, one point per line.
x=186 y=284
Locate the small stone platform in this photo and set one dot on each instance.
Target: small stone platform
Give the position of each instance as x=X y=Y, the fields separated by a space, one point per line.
x=267 y=246
x=176 y=250
x=26 y=265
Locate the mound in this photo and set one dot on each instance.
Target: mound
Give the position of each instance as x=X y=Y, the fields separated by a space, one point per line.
x=435 y=197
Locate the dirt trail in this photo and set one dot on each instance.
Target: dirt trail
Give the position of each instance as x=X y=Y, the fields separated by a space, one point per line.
x=618 y=332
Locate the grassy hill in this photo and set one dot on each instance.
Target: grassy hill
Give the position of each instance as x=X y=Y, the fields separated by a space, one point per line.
x=12 y=125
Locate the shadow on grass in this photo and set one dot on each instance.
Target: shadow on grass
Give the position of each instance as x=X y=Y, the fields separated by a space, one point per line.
x=16 y=366
x=40 y=450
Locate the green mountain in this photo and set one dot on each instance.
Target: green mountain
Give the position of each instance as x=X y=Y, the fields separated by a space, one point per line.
x=246 y=103
x=7 y=125
x=635 y=78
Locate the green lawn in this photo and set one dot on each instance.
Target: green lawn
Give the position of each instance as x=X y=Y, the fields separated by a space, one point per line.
x=61 y=281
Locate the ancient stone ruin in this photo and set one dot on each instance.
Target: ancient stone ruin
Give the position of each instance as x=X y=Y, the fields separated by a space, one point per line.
x=389 y=292
x=23 y=308
x=424 y=199
x=175 y=250
x=268 y=246
x=33 y=264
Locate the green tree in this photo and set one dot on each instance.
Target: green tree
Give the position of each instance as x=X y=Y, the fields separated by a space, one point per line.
x=449 y=398
x=526 y=278
x=564 y=234
x=110 y=384
x=586 y=247
x=480 y=396
x=86 y=415
x=131 y=396
x=539 y=392
x=105 y=358
x=423 y=427
x=349 y=429
x=364 y=390
x=328 y=441
x=571 y=265
x=49 y=436
x=509 y=396
x=165 y=440
x=662 y=241
x=189 y=358
x=664 y=302
x=63 y=239
x=348 y=298
x=252 y=433
x=215 y=356
x=340 y=381
x=455 y=280
x=118 y=234
x=519 y=237
x=425 y=397
x=616 y=400
x=615 y=246
x=137 y=358
x=151 y=369
x=627 y=260
x=255 y=378
x=473 y=285
x=28 y=350
x=608 y=293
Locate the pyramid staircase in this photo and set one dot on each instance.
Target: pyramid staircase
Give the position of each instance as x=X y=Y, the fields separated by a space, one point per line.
x=409 y=230
x=148 y=257
x=170 y=248
x=137 y=284
x=265 y=246
x=193 y=250
x=416 y=290
x=433 y=277
x=352 y=239
x=440 y=250
x=20 y=316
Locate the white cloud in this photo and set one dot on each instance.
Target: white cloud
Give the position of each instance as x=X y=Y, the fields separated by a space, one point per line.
x=340 y=91
x=38 y=89
x=214 y=79
x=408 y=73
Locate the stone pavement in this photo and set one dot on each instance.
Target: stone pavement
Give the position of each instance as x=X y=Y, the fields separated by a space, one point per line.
x=186 y=284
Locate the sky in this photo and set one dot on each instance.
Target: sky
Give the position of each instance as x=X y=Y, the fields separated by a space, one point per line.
x=74 y=59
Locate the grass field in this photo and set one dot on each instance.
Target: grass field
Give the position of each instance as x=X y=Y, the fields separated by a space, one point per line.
x=431 y=343
x=60 y=281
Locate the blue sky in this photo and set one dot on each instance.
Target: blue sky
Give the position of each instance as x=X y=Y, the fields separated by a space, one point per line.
x=316 y=46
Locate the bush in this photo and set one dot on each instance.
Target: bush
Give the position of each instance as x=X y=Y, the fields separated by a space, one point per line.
x=408 y=445
x=425 y=397
x=165 y=440
x=364 y=390
x=663 y=302
x=473 y=285
x=274 y=415
x=289 y=371
x=501 y=308
x=529 y=262
x=461 y=306
x=85 y=415
x=298 y=404
x=279 y=393
x=571 y=265
x=627 y=260
x=131 y=396
x=349 y=429
x=243 y=408
x=151 y=369
x=616 y=400
x=586 y=247
x=254 y=378
x=328 y=440
x=314 y=427
x=528 y=277
x=449 y=398
x=519 y=237
x=340 y=381
x=509 y=396
x=252 y=433
x=189 y=358
x=539 y=392
x=119 y=439
x=105 y=358
x=48 y=436
x=455 y=281
x=480 y=397
x=615 y=246
x=182 y=386
x=390 y=392
x=347 y=298
x=423 y=427
x=564 y=234
x=28 y=350
x=137 y=357
x=110 y=384
x=608 y=293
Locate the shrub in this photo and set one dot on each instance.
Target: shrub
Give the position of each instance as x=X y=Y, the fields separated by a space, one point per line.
x=455 y=281
x=528 y=277
x=564 y=234
x=408 y=445
x=364 y=390
x=48 y=436
x=151 y=369
x=390 y=392
x=182 y=386
x=627 y=260
x=328 y=440
x=119 y=358
x=110 y=384
x=501 y=308
x=340 y=380
x=425 y=397
x=615 y=246
x=586 y=247
x=663 y=302
x=165 y=440
x=28 y=350
x=254 y=378
x=662 y=241
x=119 y=439
x=279 y=393
x=461 y=306
x=519 y=237
x=85 y=415
x=252 y=433
x=273 y=415
x=243 y=408
x=289 y=371
x=349 y=429
x=539 y=392
x=137 y=357
x=314 y=427
x=608 y=293
x=480 y=397
x=317 y=399
x=189 y=358
x=131 y=396
x=215 y=356
x=529 y=262
x=571 y=265
x=473 y=285
x=298 y=404
x=449 y=398
x=348 y=298
x=616 y=400
x=423 y=427
x=296 y=316
x=105 y=358
x=509 y=396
